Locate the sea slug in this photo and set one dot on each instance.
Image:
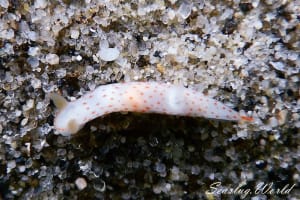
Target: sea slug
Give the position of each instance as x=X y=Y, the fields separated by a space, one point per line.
x=146 y=97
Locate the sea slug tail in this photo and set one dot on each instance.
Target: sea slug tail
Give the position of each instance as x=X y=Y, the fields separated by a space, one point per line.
x=247 y=119
x=58 y=100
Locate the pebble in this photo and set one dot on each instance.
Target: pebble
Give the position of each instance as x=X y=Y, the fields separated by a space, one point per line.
x=24 y=121
x=36 y=83
x=99 y=185
x=74 y=34
x=33 y=62
x=60 y=73
x=40 y=4
x=79 y=58
x=195 y=170
x=52 y=59
x=278 y=65
x=22 y=168
x=160 y=167
x=109 y=54
x=80 y=183
x=11 y=165
x=7 y=34
x=282 y=117
x=4 y=3
x=33 y=51
x=29 y=105
x=273 y=122
x=185 y=10
x=242 y=134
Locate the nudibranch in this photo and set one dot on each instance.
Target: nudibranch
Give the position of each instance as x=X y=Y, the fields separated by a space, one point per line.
x=145 y=97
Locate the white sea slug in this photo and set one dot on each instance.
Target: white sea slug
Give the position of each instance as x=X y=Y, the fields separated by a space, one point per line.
x=147 y=97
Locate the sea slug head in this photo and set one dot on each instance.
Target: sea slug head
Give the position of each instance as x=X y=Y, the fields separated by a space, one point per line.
x=65 y=122
x=65 y=125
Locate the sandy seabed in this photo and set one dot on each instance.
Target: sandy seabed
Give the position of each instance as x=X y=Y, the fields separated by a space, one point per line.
x=242 y=53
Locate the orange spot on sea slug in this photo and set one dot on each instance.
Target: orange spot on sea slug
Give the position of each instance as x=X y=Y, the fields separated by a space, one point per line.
x=246 y=118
